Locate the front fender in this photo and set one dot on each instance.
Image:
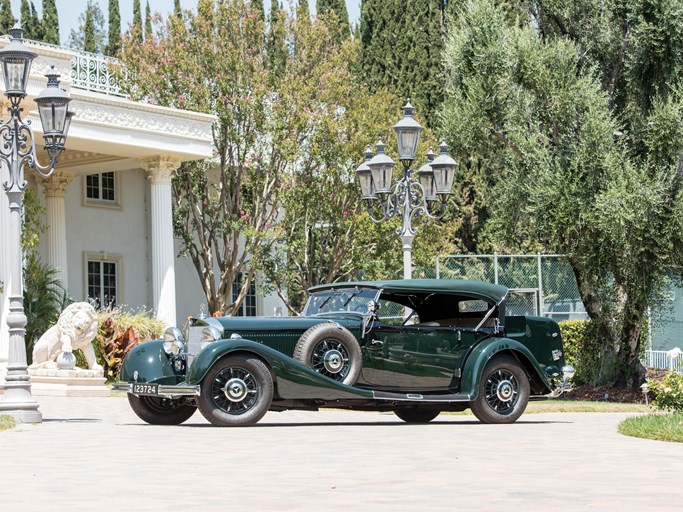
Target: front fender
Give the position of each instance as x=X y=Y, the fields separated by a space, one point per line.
x=294 y=380
x=482 y=354
x=151 y=363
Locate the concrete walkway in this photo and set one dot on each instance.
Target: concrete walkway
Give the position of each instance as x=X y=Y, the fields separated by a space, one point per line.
x=94 y=454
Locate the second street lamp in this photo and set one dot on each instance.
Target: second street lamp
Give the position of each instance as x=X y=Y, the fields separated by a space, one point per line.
x=409 y=197
x=17 y=151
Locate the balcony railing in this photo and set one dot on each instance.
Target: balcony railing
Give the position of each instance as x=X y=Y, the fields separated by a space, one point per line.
x=94 y=73
x=89 y=71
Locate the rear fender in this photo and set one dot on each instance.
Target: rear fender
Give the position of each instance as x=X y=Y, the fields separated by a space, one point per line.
x=293 y=379
x=485 y=351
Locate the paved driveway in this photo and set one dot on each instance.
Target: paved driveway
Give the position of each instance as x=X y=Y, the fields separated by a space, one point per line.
x=93 y=454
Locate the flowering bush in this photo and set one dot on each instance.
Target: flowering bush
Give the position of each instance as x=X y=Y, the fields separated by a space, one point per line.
x=120 y=331
x=668 y=392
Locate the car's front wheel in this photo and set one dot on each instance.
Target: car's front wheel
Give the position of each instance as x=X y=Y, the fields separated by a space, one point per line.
x=237 y=392
x=503 y=391
x=160 y=411
x=417 y=414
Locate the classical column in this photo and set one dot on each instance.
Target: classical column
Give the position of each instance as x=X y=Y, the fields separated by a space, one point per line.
x=160 y=170
x=55 y=217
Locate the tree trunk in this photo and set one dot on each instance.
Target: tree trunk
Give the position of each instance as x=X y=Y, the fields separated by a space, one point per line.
x=630 y=371
x=616 y=333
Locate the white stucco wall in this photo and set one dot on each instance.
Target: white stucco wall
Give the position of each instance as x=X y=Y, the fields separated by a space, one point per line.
x=190 y=295
x=117 y=231
x=126 y=231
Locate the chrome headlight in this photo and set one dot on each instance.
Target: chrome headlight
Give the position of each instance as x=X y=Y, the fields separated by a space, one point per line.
x=210 y=334
x=173 y=341
x=568 y=372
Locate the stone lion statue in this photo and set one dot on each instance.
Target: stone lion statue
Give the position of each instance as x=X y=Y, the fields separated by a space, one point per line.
x=76 y=328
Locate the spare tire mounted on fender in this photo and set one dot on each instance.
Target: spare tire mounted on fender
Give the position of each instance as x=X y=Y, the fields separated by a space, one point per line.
x=331 y=350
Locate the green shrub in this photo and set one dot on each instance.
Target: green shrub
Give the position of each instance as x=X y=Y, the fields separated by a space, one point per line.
x=580 y=350
x=668 y=392
x=119 y=331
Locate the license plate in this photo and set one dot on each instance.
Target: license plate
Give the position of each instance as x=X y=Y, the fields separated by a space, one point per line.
x=143 y=388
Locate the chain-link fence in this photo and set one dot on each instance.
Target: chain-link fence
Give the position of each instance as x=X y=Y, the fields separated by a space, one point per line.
x=540 y=284
x=544 y=284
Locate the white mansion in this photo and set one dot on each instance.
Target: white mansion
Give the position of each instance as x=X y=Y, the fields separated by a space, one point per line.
x=108 y=205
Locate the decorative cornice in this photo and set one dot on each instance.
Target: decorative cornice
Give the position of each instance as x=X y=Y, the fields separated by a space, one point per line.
x=56 y=184
x=71 y=157
x=160 y=168
x=103 y=99
x=127 y=117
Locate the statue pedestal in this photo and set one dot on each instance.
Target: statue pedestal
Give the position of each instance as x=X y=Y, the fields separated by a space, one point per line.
x=76 y=382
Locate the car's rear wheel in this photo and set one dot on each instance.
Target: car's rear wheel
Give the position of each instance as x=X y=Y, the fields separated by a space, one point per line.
x=160 y=411
x=330 y=350
x=503 y=391
x=236 y=392
x=417 y=414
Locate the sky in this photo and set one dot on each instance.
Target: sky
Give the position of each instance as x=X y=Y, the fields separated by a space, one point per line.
x=69 y=10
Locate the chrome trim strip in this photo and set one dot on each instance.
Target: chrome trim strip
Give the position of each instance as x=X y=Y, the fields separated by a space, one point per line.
x=413 y=397
x=486 y=317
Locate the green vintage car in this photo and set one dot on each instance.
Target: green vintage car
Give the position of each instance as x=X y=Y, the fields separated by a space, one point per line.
x=414 y=347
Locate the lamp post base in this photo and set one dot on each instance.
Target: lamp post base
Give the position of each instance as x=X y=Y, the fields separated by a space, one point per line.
x=18 y=401
x=23 y=415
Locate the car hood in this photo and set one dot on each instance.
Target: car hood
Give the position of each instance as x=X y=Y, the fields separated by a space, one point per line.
x=242 y=325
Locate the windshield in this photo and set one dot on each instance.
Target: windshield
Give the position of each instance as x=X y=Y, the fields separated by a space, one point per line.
x=340 y=300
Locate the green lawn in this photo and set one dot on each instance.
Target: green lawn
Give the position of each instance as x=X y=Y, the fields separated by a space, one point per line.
x=661 y=427
x=7 y=422
x=545 y=406
x=580 y=406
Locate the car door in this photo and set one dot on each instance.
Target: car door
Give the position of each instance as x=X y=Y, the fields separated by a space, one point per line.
x=414 y=357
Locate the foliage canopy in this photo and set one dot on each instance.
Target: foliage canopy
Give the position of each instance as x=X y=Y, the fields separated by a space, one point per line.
x=288 y=114
x=571 y=129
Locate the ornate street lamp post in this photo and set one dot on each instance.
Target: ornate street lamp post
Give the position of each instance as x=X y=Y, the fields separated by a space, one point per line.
x=17 y=149
x=409 y=197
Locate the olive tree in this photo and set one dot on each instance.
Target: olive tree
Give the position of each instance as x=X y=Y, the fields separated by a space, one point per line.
x=576 y=129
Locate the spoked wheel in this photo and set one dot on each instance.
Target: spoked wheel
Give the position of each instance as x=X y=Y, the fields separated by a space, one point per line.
x=417 y=414
x=237 y=392
x=160 y=411
x=330 y=350
x=503 y=391
x=331 y=358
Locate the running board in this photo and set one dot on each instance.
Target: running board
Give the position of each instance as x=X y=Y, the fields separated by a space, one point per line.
x=417 y=397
